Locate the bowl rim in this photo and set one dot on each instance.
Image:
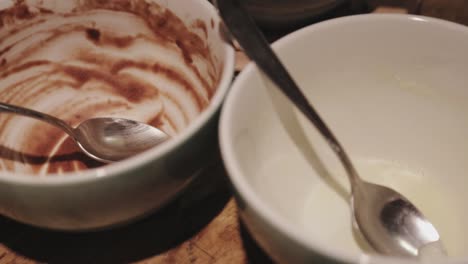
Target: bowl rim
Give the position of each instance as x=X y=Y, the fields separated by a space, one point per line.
x=247 y=192
x=146 y=157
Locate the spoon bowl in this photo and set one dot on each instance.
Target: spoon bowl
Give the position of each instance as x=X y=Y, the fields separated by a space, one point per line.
x=109 y=139
x=388 y=220
x=393 y=225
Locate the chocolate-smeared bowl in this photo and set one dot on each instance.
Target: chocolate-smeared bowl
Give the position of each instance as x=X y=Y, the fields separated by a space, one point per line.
x=158 y=62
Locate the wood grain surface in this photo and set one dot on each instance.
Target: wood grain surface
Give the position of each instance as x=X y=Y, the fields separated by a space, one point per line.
x=201 y=226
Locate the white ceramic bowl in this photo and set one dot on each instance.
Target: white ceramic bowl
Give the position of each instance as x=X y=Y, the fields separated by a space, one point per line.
x=122 y=191
x=394 y=89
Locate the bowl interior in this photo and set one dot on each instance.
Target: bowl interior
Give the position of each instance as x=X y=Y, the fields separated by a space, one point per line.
x=205 y=72
x=393 y=90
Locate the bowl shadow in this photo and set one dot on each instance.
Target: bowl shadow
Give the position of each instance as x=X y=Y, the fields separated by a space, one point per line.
x=254 y=253
x=155 y=234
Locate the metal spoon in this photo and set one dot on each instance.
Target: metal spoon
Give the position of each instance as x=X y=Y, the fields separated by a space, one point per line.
x=391 y=224
x=105 y=139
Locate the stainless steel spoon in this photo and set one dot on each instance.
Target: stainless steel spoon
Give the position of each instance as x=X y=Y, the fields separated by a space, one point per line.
x=391 y=224
x=105 y=139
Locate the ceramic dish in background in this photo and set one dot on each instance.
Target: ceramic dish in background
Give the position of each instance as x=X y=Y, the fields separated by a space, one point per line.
x=393 y=90
x=274 y=14
x=122 y=191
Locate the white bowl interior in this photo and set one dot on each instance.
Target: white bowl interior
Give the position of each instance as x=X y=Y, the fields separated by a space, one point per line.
x=393 y=90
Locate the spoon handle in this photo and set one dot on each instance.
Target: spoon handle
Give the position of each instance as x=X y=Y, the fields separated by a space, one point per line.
x=38 y=115
x=254 y=44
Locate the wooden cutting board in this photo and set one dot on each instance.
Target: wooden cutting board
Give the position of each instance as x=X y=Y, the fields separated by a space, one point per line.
x=201 y=226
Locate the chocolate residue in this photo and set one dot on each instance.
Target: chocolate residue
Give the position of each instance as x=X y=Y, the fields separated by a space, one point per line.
x=133 y=90
x=162 y=21
x=19 y=10
x=93 y=34
x=99 y=71
x=156 y=121
x=183 y=48
x=9 y=154
x=200 y=24
x=177 y=77
x=171 y=74
x=23 y=13
x=121 y=42
x=120 y=65
x=69 y=158
x=23 y=67
x=5 y=50
x=45 y=10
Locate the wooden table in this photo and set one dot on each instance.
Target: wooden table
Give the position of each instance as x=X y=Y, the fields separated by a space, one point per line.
x=201 y=226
